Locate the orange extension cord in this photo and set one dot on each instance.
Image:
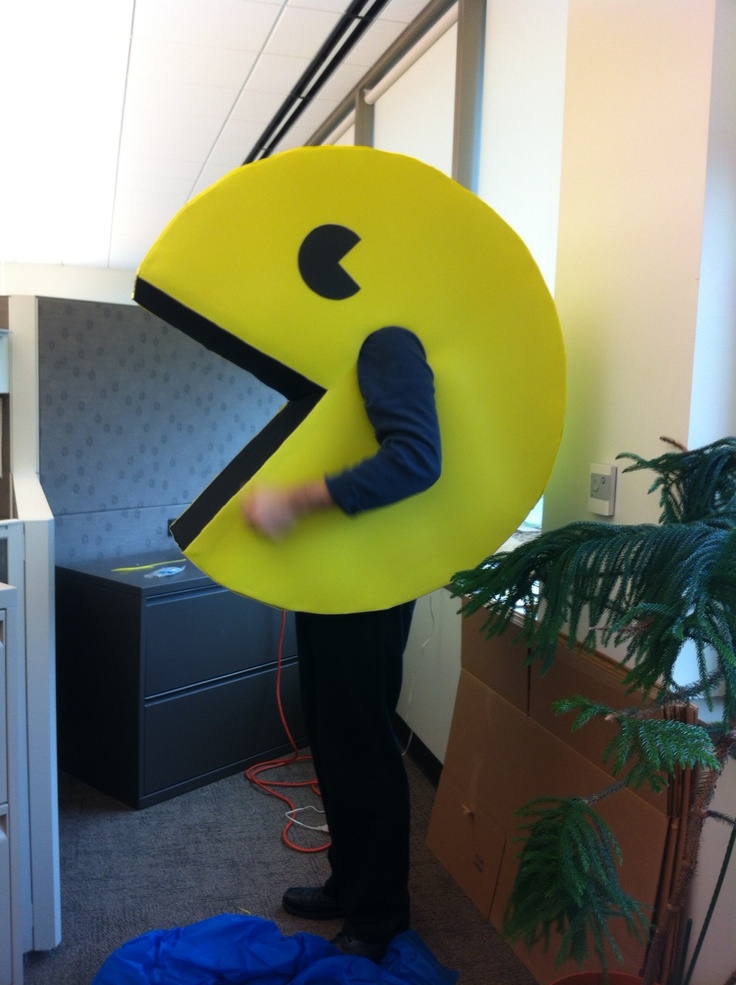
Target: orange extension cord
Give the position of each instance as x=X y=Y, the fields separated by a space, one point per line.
x=274 y=787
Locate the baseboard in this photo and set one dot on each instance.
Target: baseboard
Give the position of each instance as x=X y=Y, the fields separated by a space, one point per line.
x=422 y=756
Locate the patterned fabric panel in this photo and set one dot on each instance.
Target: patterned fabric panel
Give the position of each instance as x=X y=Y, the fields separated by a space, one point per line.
x=136 y=419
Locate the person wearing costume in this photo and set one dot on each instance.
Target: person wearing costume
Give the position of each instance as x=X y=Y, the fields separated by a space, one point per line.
x=350 y=665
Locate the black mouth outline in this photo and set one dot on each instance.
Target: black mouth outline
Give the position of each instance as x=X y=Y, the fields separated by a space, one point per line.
x=301 y=393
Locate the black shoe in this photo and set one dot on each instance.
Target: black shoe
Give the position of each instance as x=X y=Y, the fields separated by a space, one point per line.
x=312 y=903
x=358 y=949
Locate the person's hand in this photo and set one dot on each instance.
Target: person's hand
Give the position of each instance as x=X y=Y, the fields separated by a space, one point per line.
x=271 y=512
x=274 y=512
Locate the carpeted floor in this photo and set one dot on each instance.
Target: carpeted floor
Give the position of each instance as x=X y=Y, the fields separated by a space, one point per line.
x=216 y=850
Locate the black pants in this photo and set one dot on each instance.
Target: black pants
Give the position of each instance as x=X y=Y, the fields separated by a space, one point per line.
x=350 y=671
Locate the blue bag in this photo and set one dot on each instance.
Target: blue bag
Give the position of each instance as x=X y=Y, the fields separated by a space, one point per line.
x=234 y=949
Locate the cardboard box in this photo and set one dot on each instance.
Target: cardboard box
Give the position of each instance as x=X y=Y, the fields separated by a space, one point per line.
x=641 y=831
x=500 y=663
x=597 y=677
x=468 y=842
x=498 y=758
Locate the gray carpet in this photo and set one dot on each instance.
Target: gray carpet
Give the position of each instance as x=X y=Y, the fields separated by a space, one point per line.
x=216 y=850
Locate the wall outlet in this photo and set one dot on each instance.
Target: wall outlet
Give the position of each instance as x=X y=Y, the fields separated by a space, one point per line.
x=602 y=489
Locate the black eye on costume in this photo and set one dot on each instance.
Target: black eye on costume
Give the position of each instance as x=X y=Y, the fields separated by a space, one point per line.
x=319 y=262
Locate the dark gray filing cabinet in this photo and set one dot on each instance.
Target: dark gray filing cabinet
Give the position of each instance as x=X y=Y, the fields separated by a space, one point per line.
x=166 y=683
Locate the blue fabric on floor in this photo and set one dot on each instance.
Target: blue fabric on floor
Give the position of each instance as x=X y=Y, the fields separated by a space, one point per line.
x=243 y=950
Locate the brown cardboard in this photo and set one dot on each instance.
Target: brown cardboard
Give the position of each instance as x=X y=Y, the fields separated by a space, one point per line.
x=468 y=842
x=500 y=663
x=501 y=758
x=498 y=758
x=596 y=677
x=641 y=831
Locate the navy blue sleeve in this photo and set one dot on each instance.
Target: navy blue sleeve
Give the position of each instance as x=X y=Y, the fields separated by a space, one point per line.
x=397 y=385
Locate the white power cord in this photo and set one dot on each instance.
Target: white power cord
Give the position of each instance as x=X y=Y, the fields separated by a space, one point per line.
x=312 y=827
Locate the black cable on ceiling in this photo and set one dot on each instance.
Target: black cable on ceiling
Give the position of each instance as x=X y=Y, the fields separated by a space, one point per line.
x=348 y=31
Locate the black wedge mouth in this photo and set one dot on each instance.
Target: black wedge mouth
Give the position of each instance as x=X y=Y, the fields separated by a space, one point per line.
x=301 y=393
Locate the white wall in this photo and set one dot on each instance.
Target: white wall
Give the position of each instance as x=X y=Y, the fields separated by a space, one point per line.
x=77 y=283
x=714 y=394
x=522 y=120
x=432 y=670
x=631 y=215
x=713 y=415
x=645 y=278
x=415 y=115
x=34 y=580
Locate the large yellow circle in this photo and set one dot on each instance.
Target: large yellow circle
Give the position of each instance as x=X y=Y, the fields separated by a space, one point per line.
x=432 y=258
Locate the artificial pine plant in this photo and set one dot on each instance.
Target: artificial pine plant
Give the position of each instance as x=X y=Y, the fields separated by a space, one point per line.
x=652 y=588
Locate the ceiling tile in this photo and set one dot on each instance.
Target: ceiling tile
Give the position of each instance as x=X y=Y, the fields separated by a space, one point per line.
x=404 y=11
x=158 y=167
x=297 y=136
x=143 y=98
x=276 y=73
x=212 y=173
x=315 y=114
x=183 y=89
x=213 y=23
x=159 y=202
x=234 y=143
x=342 y=81
x=169 y=62
x=134 y=185
x=256 y=107
x=338 y=6
x=171 y=135
x=299 y=31
x=135 y=229
x=374 y=43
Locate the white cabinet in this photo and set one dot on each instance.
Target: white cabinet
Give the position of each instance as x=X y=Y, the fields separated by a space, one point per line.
x=11 y=903
x=29 y=828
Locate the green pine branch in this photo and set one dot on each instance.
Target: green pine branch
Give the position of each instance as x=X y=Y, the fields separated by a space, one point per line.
x=567 y=882
x=647 y=749
x=651 y=589
x=693 y=485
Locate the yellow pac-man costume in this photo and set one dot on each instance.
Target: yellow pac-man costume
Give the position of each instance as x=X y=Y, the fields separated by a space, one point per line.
x=285 y=267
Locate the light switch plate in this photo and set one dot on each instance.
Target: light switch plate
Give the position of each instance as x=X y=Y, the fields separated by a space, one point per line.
x=602 y=489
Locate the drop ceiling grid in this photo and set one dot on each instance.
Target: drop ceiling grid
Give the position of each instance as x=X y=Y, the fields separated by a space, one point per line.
x=168 y=94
